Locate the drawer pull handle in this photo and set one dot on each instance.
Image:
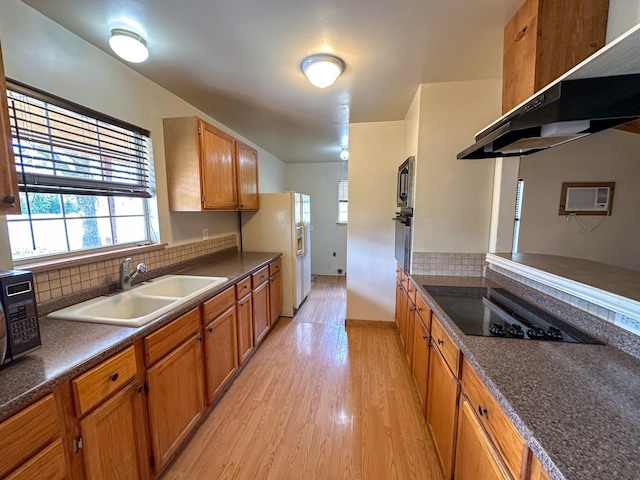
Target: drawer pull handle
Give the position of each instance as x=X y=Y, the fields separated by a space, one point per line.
x=139 y=389
x=481 y=411
x=114 y=377
x=210 y=329
x=424 y=337
x=440 y=342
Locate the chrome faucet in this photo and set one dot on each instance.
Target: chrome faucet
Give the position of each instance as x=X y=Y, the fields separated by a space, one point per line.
x=126 y=276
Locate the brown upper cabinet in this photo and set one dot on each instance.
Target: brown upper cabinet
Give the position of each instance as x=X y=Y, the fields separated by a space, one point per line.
x=9 y=199
x=545 y=39
x=207 y=169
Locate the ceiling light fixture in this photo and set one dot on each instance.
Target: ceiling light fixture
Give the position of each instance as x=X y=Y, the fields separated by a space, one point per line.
x=128 y=45
x=344 y=154
x=322 y=69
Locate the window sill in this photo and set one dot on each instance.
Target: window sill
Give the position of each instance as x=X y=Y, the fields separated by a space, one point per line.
x=63 y=262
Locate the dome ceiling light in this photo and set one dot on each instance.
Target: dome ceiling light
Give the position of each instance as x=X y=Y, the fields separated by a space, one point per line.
x=128 y=45
x=322 y=69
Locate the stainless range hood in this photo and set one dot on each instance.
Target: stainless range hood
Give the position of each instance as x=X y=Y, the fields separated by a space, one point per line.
x=564 y=111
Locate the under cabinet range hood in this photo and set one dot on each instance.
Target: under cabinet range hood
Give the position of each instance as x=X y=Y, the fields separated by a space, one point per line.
x=565 y=111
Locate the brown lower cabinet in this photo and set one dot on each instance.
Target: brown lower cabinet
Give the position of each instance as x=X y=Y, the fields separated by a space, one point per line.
x=261 y=313
x=420 y=366
x=175 y=398
x=245 y=328
x=476 y=458
x=275 y=297
x=221 y=352
x=113 y=437
x=442 y=392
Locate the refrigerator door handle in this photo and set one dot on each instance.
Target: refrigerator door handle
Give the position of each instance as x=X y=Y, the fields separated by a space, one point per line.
x=304 y=239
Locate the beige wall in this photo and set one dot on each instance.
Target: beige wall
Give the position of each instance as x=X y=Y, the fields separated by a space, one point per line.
x=412 y=126
x=609 y=156
x=42 y=54
x=453 y=197
x=376 y=150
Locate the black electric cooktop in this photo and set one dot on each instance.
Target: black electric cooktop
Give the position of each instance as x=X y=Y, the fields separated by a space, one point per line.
x=494 y=312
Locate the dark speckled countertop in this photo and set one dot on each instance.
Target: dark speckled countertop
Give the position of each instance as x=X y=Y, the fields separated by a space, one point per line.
x=71 y=348
x=577 y=406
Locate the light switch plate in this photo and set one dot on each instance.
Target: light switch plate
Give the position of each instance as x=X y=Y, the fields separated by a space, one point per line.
x=628 y=323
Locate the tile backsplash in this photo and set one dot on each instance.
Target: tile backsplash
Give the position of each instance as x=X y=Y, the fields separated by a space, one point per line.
x=449 y=264
x=59 y=282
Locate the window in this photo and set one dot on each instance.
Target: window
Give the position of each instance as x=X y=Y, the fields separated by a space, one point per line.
x=83 y=177
x=343 y=201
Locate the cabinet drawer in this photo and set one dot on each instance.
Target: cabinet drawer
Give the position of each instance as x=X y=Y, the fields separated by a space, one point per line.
x=219 y=304
x=159 y=343
x=260 y=277
x=500 y=429
x=424 y=311
x=275 y=267
x=94 y=386
x=442 y=340
x=40 y=420
x=243 y=287
x=48 y=464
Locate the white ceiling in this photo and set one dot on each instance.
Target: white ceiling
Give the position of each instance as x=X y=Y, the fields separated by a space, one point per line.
x=239 y=61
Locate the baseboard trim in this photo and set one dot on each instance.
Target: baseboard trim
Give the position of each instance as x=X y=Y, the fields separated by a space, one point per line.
x=350 y=322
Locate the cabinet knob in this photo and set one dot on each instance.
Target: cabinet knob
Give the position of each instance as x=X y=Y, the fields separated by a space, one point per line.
x=481 y=410
x=424 y=337
x=140 y=389
x=440 y=342
x=199 y=338
x=210 y=329
x=114 y=377
x=10 y=199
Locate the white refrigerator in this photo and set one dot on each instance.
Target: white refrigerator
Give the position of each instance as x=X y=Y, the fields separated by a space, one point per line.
x=283 y=225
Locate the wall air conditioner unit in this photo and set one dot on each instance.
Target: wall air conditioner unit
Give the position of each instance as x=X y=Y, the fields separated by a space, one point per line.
x=587 y=198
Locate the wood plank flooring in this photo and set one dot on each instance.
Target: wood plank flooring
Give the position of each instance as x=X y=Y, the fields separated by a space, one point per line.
x=317 y=401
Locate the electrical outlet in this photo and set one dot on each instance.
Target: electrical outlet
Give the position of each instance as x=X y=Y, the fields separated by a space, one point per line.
x=628 y=323
x=205 y=234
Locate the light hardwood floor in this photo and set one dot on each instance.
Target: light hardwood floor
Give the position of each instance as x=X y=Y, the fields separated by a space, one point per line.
x=317 y=401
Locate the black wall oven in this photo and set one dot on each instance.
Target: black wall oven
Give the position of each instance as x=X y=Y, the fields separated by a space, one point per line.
x=404 y=224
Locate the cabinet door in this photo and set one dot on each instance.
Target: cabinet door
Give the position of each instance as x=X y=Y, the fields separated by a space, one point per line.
x=402 y=315
x=176 y=398
x=442 y=393
x=260 y=312
x=9 y=201
x=221 y=352
x=537 y=470
x=113 y=435
x=408 y=335
x=420 y=367
x=247 y=171
x=275 y=298
x=476 y=459
x=218 y=169
x=245 y=328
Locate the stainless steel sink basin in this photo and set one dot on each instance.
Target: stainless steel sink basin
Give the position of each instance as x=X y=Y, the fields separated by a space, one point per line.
x=141 y=304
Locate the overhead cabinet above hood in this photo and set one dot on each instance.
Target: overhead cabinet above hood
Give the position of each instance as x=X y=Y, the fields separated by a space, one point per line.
x=565 y=111
x=601 y=92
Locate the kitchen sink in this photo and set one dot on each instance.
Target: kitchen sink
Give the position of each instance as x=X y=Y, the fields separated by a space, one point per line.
x=141 y=304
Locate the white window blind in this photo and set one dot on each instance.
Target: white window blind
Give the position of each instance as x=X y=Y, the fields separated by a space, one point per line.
x=343 y=201
x=59 y=149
